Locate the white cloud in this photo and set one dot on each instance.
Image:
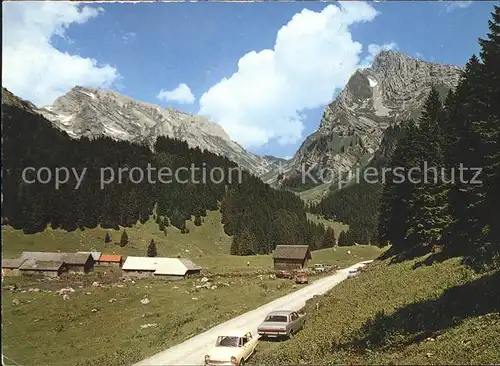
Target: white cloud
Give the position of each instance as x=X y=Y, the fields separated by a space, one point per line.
x=32 y=67
x=374 y=49
x=182 y=95
x=314 y=54
x=420 y=56
x=454 y=5
x=129 y=37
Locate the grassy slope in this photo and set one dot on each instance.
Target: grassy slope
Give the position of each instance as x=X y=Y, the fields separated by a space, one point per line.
x=439 y=314
x=207 y=245
x=49 y=330
x=314 y=195
x=340 y=256
x=335 y=225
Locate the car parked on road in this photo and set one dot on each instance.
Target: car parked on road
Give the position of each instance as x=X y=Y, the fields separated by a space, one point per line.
x=233 y=349
x=319 y=267
x=301 y=277
x=281 y=324
x=284 y=274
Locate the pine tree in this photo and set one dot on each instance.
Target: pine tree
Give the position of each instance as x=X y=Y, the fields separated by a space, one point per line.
x=463 y=149
x=342 y=239
x=124 y=239
x=107 y=239
x=152 y=251
x=486 y=197
x=428 y=215
x=244 y=243
x=398 y=191
x=349 y=238
x=328 y=239
x=197 y=220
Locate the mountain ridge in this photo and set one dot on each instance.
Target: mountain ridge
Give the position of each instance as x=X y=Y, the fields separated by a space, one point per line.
x=353 y=125
x=351 y=131
x=93 y=112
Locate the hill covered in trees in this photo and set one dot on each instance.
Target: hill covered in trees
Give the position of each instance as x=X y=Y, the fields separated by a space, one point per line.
x=95 y=193
x=356 y=205
x=456 y=207
x=458 y=213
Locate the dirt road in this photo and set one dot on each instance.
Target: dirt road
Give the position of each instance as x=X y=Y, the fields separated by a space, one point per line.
x=193 y=351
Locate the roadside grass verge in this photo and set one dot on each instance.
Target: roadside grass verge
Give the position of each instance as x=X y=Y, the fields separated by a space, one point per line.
x=399 y=314
x=339 y=255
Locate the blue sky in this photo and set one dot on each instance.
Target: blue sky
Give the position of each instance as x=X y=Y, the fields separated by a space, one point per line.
x=141 y=49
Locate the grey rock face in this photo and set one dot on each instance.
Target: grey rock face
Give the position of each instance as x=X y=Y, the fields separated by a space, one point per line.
x=353 y=125
x=94 y=112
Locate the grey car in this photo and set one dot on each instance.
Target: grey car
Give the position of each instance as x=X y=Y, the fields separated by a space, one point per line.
x=281 y=324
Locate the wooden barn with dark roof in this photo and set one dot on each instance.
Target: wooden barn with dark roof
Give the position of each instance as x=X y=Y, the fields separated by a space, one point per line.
x=74 y=262
x=291 y=257
x=44 y=268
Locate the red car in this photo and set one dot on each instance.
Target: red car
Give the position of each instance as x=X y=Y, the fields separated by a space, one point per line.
x=284 y=274
x=301 y=277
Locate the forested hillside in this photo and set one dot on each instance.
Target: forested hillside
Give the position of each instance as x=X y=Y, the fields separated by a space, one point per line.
x=258 y=217
x=458 y=215
x=356 y=205
x=453 y=214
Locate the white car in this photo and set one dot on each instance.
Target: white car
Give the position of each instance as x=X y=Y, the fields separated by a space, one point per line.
x=232 y=349
x=319 y=268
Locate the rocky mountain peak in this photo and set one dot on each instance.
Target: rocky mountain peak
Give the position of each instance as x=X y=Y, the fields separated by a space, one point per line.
x=389 y=60
x=352 y=127
x=93 y=112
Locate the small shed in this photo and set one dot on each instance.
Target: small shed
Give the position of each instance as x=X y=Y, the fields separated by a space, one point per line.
x=44 y=268
x=291 y=257
x=10 y=267
x=112 y=260
x=75 y=262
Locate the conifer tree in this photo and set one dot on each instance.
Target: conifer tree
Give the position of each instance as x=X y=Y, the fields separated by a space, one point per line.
x=245 y=243
x=329 y=240
x=197 y=220
x=428 y=206
x=107 y=239
x=124 y=239
x=398 y=191
x=152 y=250
x=486 y=197
x=342 y=239
x=462 y=150
x=349 y=238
